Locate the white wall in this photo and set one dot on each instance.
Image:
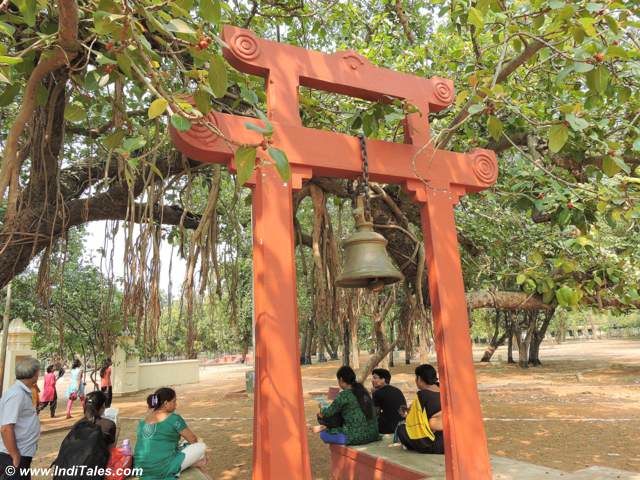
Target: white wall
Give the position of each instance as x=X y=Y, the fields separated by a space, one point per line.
x=162 y=374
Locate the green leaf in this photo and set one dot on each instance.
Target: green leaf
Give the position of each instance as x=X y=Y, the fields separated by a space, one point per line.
x=520 y=279
x=124 y=63
x=9 y=94
x=114 y=140
x=475 y=18
x=609 y=166
x=180 y=123
x=248 y=95
x=583 y=67
x=558 y=136
x=27 y=10
x=203 y=101
x=218 y=76
x=4 y=60
x=616 y=51
x=612 y=23
x=179 y=26
x=475 y=108
x=598 y=79
x=621 y=163
x=134 y=143
x=494 y=125
x=104 y=60
x=267 y=130
x=636 y=144
x=210 y=11
x=245 y=158
x=157 y=108
x=75 y=113
x=282 y=163
x=7 y=29
x=565 y=296
x=587 y=24
x=576 y=123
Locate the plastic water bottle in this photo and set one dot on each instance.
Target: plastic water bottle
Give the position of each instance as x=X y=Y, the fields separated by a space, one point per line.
x=126 y=447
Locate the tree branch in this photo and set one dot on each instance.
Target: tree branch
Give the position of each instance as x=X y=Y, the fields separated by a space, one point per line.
x=61 y=55
x=507 y=70
x=404 y=21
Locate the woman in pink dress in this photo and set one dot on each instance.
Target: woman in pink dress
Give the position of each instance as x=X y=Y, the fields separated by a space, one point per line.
x=48 y=395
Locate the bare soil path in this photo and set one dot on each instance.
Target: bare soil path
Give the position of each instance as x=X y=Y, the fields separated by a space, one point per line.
x=581 y=408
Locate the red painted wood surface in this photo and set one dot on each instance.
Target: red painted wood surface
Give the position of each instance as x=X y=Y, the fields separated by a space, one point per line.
x=435 y=178
x=349 y=464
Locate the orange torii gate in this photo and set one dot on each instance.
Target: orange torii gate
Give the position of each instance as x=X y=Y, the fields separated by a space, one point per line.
x=435 y=179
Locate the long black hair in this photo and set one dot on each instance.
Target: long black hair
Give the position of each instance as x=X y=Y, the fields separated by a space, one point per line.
x=76 y=363
x=94 y=403
x=105 y=365
x=162 y=395
x=348 y=376
x=428 y=374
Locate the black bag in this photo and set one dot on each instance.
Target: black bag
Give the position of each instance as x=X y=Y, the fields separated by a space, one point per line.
x=85 y=448
x=334 y=421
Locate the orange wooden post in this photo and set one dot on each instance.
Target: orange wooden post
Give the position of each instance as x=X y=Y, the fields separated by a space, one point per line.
x=279 y=426
x=465 y=456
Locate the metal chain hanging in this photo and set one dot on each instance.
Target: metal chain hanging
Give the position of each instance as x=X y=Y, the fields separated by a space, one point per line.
x=365 y=175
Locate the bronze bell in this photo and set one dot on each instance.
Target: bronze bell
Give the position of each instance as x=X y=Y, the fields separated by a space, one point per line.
x=366 y=261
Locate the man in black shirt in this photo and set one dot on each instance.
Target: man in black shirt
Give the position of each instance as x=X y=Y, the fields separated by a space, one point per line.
x=388 y=399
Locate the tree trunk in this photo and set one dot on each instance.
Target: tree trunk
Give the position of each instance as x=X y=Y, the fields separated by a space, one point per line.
x=510 y=333
x=346 y=341
x=375 y=360
x=394 y=342
x=408 y=346
x=524 y=333
x=425 y=337
x=538 y=338
x=354 y=353
x=496 y=340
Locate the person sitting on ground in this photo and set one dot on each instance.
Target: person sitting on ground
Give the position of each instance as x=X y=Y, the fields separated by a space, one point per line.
x=355 y=407
x=19 y=423
x=422 y=430
x=157 y=450
x=88 y=442
x=388 y=399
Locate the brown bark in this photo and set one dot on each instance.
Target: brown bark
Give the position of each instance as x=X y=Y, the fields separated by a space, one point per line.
x=425 y=338
x=383 y=346
x=496 y=340
x=404 y=21
x=506 y=300
x=539 y=333
x=61 y=54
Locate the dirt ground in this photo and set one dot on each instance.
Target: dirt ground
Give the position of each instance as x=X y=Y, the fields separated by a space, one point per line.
x=581 y=408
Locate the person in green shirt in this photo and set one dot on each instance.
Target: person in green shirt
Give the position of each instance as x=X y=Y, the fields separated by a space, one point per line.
x=157 y=450
x=353 y=407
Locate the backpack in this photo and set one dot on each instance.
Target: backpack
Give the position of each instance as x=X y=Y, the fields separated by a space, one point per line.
x=84 y=445
x=417 y=422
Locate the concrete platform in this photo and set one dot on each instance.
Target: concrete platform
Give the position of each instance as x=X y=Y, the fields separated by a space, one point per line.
x=386 y=461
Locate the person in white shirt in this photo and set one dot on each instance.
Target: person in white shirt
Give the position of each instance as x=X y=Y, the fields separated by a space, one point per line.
x=19 y=423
